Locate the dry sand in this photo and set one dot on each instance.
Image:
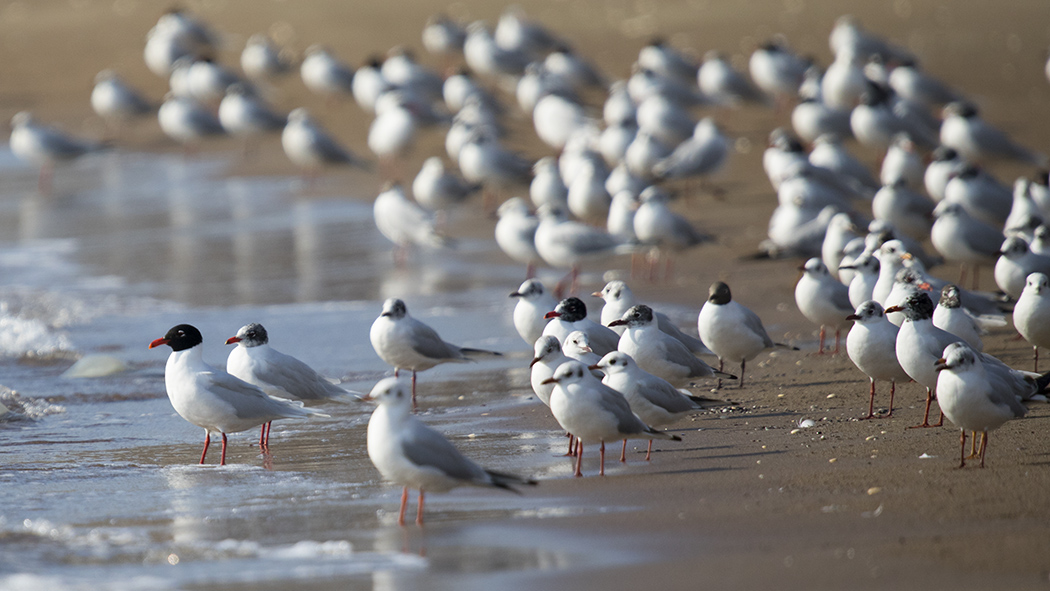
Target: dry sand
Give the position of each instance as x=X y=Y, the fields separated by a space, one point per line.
x=744 y=502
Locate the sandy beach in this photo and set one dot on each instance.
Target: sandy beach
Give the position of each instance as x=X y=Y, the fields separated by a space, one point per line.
x=748 y=500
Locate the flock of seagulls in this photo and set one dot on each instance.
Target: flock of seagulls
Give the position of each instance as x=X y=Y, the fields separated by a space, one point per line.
x=607 y=189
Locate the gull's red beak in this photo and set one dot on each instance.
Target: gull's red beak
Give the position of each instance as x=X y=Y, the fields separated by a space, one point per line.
x=158 y=342
x=232 y=340
x=552 y=315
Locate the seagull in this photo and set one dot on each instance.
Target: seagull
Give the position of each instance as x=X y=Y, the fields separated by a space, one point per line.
x=115 y=101
x=776 y=70
x=961 y=238
x=486 y=57
x=844 y=82
x=409 y=453
x=703 y=154
x=187 y=121
x=664 y=119
x=905 y=208
x=841 y=231
x=823 y=300
x=324 y=74
x=282 y=376
x=547 y=186
x=643 y=153
x=619 y=298
x=653 y=399
x=977 y=140
x=614 y=141
x=547 y=357
x=309 y=147
x=724 y=85
x=518 y=33
x=571 y=70
x=830 y=153
x=949 y=315
x=403 y=222
x=443 y=36
x=567 y=244
x=945 y=164
x=913 y=84
x=369 y=84
x=592 y=411
x=44 y=146
x=871 y=346
x=620 y=223
x=983 y=197
x=207 y=81
x=213 y=399
x=664 y=231
x=733 y=330
x=865 y=275
x=570 y=315
x=393 y=131
x=1032 y=314
x=811 y=119
x=516 y=233
x=902 y=161
x=920 y=344
x=1016 y=262
x=970 y=399
x=588 y=200
x=661 y=58
x=659 y=353
x=482 y=160
x=406 y=343
x=244 y=115
x=534 y=301
x=402 y=71
x=262 y=60
x=437 y=188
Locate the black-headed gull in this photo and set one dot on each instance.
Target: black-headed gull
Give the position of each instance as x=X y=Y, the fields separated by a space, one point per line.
x=1016 y=262
x=409 y=453
x=406 y=343
x=733 y=331
x=970 y=399
x=213 y=399
x=592 y=411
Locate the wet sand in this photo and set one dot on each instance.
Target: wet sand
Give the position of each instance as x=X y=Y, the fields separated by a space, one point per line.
x=743 y=501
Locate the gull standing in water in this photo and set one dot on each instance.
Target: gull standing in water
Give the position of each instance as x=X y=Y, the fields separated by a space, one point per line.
x=409 y=453
x=282 y=376
x=44 y=146
x=406 y=343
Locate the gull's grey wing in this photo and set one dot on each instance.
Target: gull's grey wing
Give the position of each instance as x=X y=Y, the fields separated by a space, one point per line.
x=426 y=342
x=754 y=324
x=296 y=377
x=584 y=239
x=247 y=400
x=613 y=402
x=424 y=446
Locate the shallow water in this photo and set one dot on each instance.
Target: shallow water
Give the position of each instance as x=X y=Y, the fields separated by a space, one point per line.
x=99 y=474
